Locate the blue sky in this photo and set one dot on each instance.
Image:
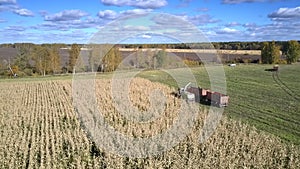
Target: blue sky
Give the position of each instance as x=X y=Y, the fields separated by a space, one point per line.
x=71 y=21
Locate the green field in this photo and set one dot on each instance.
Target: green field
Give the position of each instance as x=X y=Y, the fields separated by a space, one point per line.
x=269 y=101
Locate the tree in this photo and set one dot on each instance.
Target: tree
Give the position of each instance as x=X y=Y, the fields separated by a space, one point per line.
x=112 y=59
x=23 y=56
x=293 y=51
x=55 y=63
x=95 y=56
x=270 y=53
x=46 y=59
x=149 y=59
x=139 y=58
x=13 y=71
x=265 y=56
x=80 y=65
x=73 y=56
x=42 y=59
x=161 y=58
x=275 y=52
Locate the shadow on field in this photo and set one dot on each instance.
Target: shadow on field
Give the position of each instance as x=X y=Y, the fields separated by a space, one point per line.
x=271 y=70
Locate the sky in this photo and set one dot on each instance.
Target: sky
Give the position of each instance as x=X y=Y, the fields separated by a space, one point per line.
x=71 y=21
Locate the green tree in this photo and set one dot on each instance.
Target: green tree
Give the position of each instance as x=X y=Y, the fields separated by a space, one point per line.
x=270 y=53
x=73 y=56
x=293 y=51
x=23 y=57
x=161 y=59
x=265 y=56
x=275 y=52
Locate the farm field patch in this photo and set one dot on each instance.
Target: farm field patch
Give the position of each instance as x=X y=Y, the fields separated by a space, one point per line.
x=39 y=128
x=268 y=100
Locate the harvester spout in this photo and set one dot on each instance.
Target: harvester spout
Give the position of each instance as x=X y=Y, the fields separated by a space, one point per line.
x=186 y=86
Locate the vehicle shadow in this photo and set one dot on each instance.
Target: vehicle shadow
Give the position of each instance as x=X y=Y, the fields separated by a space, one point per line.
x=271 y=70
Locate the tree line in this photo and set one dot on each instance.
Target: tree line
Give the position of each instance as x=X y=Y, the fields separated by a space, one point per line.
x=215 y=45
x=45 y=59
x=271 y=52
x=256 y=45
x=36 y=59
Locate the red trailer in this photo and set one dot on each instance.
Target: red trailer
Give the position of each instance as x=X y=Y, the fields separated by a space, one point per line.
x=217 y=98
x=196 y=92
x=203 y=92
x=209 y=97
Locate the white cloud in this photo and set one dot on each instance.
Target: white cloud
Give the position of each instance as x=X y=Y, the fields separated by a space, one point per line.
x=228 y=31
x=66 y=15
x=134 y=28
x=8 y=5
x=241 y=1
x=202 y=19
x=277 y=31
x=70 y=24
x=136 y=11
x=285 y=25
x=232 y=24
x=147 y=4
x=12 y=6
x=24 y=12
x=7 y=2
x=107 y=14
x=283 y=14
x=146 y=36
x=247 y=1
x=15 y=28
x=110 y=14
x=249 y=25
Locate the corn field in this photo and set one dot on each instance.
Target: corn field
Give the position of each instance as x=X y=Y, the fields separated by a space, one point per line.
x=39 y=128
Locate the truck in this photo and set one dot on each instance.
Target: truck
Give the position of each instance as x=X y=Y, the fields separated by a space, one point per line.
x=185 y=94
x=201 y=95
